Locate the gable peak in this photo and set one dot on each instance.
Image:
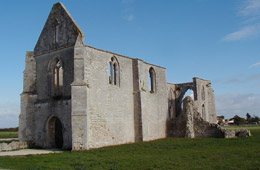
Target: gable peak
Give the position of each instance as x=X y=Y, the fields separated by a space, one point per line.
x=60 y=30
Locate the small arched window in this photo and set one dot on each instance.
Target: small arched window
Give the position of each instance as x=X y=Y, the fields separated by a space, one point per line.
x=114 y=71
x=152 y=80
x=57 y=78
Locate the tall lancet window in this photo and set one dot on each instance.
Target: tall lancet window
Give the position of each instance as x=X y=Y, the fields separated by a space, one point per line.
x=56 y=28
x=56 y=33
x=114 y=71
x=152 y=81
x=58 y=79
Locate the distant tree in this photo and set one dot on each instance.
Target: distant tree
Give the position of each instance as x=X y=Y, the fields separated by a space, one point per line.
x=222 y=116
x=255 y=119
x=248 y=117
x=238 y=120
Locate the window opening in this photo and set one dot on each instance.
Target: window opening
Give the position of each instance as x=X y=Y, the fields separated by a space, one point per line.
x=114 y=72
x=56 y=33
x=151 y=80
x=58 y=79
x=190 y=93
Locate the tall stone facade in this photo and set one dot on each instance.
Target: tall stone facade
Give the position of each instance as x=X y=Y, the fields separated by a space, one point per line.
x=80 y=97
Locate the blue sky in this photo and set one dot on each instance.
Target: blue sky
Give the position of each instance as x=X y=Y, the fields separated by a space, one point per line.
x=215 y=40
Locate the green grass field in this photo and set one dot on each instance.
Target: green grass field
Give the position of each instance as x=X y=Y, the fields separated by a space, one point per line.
x=252 y=127
x=8 y=135
x=170 y=153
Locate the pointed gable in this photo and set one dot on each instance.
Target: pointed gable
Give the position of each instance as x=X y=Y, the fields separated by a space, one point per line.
x=60 y=30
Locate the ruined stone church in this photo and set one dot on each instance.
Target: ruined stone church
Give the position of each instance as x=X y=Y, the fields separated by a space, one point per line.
x=78 y=97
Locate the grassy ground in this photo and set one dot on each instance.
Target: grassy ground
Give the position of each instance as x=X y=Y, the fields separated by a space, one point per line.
x=170 y=153
x=251 y=127
x=8 y=135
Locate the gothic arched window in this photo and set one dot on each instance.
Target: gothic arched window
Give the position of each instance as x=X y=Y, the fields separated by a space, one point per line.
x=57 y=79
x=152 y=80
x=114 y=71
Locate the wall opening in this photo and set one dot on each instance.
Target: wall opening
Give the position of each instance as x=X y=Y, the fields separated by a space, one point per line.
x=152 y=80
x=56 y=33
x=114 y=72
x=58 y=79
x=55 y=133
x=188 y=92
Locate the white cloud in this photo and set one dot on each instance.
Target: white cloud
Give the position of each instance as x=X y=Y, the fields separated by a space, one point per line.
x=255 y=65
x=250 y=8
x=250 y=13
x=238 y=104
x=246 y=32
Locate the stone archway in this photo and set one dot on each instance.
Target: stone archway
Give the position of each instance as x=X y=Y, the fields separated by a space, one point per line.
x=182 y=89
x=55 y=133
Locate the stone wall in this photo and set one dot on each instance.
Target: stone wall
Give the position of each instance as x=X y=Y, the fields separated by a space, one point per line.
x=204 y=99
x=154 y=104
x=28 y=97
x=110 y=107
x=12 y=144
x=47 y=106
x=60 y=30
x=190 y=124
x=171 y=91
x=39 y=105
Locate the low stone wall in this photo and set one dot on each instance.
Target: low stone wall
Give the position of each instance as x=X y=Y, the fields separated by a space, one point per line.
x=206 y=129
x=12 y=144
x=190 y=124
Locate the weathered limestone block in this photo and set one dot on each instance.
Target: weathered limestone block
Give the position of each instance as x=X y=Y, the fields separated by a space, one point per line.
x=229 y=133
x=243 y=133
x=13 y=144
x=188 y=111
x=235 y=133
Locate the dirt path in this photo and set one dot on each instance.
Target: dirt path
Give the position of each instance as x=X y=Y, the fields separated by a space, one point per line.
x=29 y=152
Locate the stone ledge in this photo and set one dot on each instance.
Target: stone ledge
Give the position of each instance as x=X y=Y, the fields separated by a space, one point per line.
x=9 y=140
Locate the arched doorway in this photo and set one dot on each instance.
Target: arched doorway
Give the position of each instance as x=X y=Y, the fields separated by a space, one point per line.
x=55 y=133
